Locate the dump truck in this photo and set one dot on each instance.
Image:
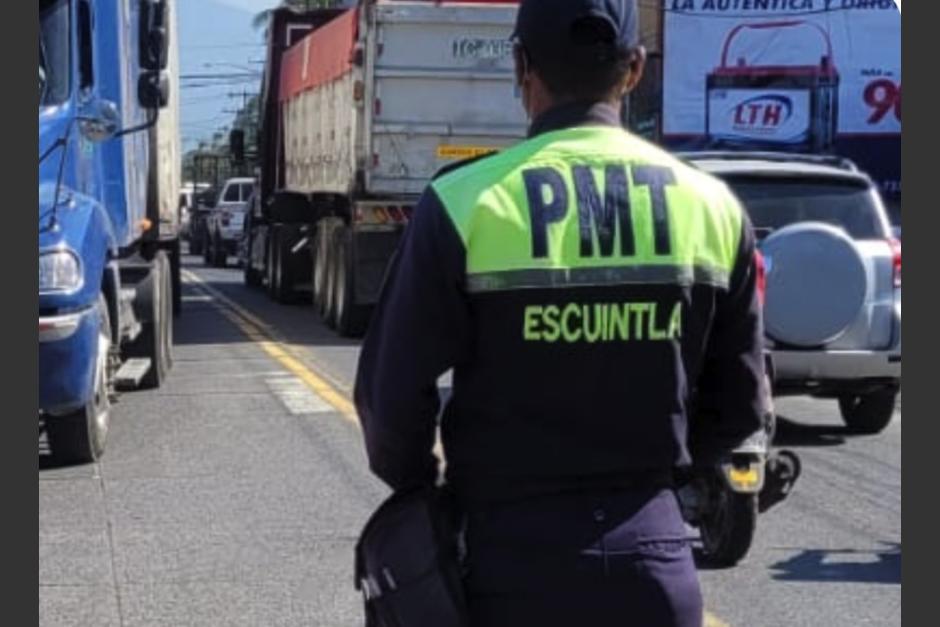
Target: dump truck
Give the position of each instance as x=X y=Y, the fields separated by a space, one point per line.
x=360 y=108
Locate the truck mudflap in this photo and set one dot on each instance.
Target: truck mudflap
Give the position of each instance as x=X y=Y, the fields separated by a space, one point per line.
x=373 y=254
x=378 y=227
x=67 y=351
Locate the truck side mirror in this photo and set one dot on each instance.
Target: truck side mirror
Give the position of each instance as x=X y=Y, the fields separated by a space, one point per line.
x=153 y=36
x=153 y=89
x=99 y=120
x=236 y=144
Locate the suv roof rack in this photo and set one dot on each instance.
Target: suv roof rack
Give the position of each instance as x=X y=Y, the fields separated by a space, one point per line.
x=778 y=157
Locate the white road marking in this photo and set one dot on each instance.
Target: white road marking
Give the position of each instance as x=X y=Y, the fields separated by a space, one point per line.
x=297 y=397
x=197 y=298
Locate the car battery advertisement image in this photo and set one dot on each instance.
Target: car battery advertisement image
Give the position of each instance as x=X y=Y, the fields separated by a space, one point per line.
x=773 y=106
x=810 y=76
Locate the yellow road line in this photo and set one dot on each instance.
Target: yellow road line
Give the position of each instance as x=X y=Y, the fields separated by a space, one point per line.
x=261 y=333
x=713 y=621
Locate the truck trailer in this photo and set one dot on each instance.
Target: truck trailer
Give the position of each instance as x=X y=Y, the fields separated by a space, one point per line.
x=109 y=179
x=360 y=108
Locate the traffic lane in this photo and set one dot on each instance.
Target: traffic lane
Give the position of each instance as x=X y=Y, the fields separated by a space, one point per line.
x=232 y=495
x=845 y=509
x=297 y=325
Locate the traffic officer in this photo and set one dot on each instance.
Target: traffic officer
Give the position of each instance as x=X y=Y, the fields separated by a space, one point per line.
x=586 y=288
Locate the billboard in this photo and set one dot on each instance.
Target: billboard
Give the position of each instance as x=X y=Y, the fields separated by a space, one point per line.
x=818 y=76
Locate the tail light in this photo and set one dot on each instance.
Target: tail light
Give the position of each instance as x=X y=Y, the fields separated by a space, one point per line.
x=396 y=214
x=762 y=275
x=226 y=219
x=896 y=260
x=378 y=107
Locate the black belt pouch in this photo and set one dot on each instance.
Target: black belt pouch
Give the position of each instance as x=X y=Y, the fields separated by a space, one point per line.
x=407 y=563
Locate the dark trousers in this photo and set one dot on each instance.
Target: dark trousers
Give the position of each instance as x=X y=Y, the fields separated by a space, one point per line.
x=592 y=559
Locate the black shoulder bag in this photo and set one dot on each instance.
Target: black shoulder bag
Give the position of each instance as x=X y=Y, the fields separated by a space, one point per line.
x=407 y=563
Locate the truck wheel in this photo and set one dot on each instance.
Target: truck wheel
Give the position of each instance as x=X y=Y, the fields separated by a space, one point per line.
x=314 y=264
x=350 y=319
x=870 y=413
x=272 y=263
x=79 y=437
x=156 y=335
x=728 y=529
x=283 y=270
x=329 y=295
x=168 y=324
x=177 y=278
x=321 y=271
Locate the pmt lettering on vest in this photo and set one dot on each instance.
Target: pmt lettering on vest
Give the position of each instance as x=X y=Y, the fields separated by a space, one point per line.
x=548 y=199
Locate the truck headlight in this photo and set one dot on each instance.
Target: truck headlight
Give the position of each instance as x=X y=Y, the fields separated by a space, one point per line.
x=59 y=271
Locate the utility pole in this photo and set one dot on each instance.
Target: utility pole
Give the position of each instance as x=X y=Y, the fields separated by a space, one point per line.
x=244 y=96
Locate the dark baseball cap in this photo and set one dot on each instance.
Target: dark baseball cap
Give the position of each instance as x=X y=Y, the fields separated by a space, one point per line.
x=552 y=31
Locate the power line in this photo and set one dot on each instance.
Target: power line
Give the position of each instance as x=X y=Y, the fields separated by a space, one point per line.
x=199 y=77
x=216 y=46
x=219 y=84
x=205 y=121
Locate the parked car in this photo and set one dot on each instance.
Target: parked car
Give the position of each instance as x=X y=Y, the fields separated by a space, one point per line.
x=832 y=310
x=225 y=223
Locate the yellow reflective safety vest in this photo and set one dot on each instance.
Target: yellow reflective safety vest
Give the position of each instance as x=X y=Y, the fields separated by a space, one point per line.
x=586 y=288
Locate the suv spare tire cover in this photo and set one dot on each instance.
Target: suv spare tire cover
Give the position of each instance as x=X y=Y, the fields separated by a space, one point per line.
x=816 y=283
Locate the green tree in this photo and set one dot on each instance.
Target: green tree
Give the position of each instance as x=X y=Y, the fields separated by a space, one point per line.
x=261 y=19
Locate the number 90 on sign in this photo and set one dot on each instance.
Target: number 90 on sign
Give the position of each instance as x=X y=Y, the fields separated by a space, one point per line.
x=882 y=96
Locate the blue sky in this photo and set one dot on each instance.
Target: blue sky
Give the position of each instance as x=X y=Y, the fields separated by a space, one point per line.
x=245 y=5
x=216 y=35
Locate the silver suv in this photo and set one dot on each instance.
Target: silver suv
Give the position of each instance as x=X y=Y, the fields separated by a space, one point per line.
x=833 y=300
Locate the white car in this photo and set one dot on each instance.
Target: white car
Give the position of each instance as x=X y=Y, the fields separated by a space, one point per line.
x=225 y=224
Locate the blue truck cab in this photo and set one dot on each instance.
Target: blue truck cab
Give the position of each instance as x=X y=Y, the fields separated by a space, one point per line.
x=109 y=171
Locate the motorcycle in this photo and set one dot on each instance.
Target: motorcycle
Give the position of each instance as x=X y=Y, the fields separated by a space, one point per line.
x=723 y=501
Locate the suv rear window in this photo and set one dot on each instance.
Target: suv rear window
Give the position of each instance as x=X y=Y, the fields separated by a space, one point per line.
x=775 y=203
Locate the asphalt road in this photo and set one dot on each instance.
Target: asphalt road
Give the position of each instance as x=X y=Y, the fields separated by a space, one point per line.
x=234 y=494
